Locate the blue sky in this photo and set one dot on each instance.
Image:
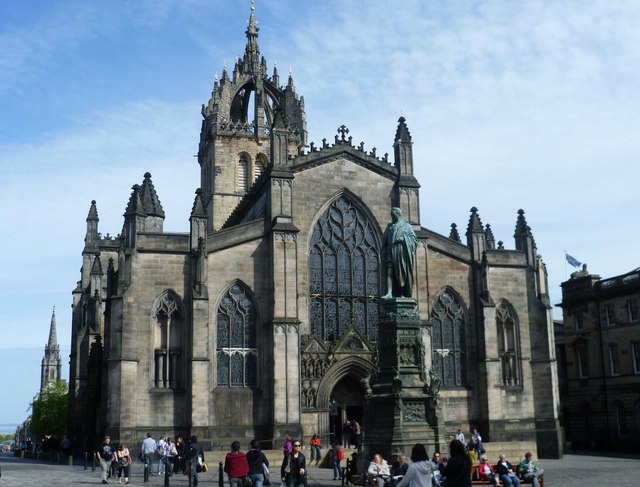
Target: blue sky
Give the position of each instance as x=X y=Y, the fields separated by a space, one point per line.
x=511 y=105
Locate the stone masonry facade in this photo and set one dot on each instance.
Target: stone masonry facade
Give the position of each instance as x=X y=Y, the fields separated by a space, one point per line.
x=262 y=319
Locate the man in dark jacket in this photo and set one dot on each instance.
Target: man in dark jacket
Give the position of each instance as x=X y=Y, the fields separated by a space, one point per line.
x=195 y=458
x=505 y=470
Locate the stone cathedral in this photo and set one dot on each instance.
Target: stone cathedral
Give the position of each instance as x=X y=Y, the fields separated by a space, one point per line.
x=262 y=319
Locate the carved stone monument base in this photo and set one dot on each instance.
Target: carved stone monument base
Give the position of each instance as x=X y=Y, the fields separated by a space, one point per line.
x=401 y=410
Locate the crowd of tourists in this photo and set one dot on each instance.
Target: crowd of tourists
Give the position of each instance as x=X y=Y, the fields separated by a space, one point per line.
x=171 y=458
x=466 y=461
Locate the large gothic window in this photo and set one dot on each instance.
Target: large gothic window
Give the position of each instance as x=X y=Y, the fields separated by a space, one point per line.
x=344 y=273
x=508 y=344
x=236 y=347
x=448 y=343
x=167 y=371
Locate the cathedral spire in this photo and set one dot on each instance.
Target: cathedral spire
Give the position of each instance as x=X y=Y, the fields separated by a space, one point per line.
x=51 y=367
x=53 y=338
x=252 y=51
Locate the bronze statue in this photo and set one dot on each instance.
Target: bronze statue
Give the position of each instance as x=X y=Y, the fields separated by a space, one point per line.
x=398 y=251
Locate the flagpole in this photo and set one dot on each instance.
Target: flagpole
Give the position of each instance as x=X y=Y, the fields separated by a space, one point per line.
x=565 y=265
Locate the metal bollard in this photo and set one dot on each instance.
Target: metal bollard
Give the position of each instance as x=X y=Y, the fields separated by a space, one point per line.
x=146 y=470
x=167 y=473
x=220 y=475
x=93 y=464
x=85 y=460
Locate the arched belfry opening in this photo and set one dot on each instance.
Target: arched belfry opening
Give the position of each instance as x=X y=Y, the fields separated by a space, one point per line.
x=253 y=105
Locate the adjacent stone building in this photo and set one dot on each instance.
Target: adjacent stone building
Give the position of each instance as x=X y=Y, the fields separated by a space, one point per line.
x=601 y=407
x=262 y=320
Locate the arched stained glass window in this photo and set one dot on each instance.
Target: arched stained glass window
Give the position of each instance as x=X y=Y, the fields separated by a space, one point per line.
x=448 y=343
x=344 y=273
x=508 y=344
x=236 y=342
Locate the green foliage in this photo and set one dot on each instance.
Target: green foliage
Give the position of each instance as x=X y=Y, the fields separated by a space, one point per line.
x=6 y=437
x=50 y=411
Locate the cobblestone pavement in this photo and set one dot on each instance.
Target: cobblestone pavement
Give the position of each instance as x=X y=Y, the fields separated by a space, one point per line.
x=571 y=471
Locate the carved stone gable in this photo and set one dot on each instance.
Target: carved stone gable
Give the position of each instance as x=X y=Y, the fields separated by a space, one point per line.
x=353 y=341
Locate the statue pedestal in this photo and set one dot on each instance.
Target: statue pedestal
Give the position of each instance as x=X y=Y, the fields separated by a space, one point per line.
x=401 y=409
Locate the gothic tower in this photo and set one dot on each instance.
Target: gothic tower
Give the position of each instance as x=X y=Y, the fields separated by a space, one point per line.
x=235 y=136
x=51 y=364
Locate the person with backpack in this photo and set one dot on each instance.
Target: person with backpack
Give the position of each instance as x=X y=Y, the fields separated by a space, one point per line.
x=337 y=456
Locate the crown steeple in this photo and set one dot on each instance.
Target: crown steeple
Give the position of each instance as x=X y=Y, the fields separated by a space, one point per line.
x=252 y=50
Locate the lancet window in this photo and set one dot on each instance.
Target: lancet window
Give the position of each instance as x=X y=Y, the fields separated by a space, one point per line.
x=236 y=341
x=243 y=168
x=344 y=273
x=167 y=371
x=508 y=344
x=448 y=339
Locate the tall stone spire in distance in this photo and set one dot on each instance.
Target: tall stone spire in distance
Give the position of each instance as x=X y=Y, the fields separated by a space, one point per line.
x=51 y=369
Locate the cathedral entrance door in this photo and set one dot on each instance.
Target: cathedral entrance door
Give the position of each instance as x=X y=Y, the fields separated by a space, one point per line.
x=347 y=400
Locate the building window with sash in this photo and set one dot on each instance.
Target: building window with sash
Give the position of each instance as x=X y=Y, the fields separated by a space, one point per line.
x=635 y=358
x=169 y=319
x=508 y=344
x=582 y=365
x=632 y=310
x=448 y=339
x=613 y=360
x=236 y=352
x=609 y=314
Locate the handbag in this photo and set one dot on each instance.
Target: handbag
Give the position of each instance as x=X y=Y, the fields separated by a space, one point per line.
x=204 y=467
x=246 y=481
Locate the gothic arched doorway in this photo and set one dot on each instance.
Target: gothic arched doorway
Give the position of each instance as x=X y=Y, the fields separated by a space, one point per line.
x=347 y=401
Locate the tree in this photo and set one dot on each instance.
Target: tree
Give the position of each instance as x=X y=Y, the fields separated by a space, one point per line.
x=49 y=415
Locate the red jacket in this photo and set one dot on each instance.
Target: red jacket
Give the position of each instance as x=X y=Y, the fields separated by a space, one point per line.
x=236 y=465
x=314 y=442
x=482 y=475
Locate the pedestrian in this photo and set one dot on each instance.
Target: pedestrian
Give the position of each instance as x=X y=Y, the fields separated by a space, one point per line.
x=147 y=449
x=314 y=443
x=258 y=464
x=195 y=458
x=104 y=454
x=458 y=470
x=337 y=455
x=124 y=463
x=293 y=470
x=235 y=465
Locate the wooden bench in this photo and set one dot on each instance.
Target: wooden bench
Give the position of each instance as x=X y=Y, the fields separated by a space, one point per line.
x=475 y=477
